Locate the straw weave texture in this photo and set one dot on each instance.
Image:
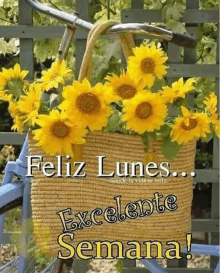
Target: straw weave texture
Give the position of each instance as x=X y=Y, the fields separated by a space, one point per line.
x=49 y=195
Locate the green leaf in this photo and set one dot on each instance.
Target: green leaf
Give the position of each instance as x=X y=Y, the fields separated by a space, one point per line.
x=153 y=134
x=165 y=130
x=119 y=266
x=145 y=139
x=170 y=149
x=115 y=124
x=46 y=49
x=176 y=26
x=164 y=12
x=158 y=84
x=208 y=137
x=3 y=47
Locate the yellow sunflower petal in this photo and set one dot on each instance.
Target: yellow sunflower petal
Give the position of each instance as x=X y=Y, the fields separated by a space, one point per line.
x=185 y=111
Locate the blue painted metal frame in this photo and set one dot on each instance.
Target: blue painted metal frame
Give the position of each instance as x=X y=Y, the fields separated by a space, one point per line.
x=10 y=191
x=8 y=264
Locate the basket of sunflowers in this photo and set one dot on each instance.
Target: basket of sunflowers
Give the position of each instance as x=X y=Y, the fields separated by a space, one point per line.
x=123 y=120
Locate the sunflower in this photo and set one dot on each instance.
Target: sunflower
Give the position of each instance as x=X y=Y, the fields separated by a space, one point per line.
x=12 y=82
x=12 y=108
x=18 y=117
x=211 y=103
x=55 y=75
x=144 y=112
x=123 y=87
x=89 y=104
x=18 y=125
x=58 y=133
x=211 y=108
x=190 y=126
x=147 y=63
x=216 y=125
x=29 y=103
x=178 y=90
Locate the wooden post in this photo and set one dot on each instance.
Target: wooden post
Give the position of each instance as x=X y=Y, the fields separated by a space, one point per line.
x=215 y=186
x=26 y=44
x=82 y=8
x=137 y=4
x=174 y=57
x=26 y=262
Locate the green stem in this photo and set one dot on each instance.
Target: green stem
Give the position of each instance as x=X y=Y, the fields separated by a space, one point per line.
x=5 y=20
x=162 y=4
x=111 y=10
x=55 y=6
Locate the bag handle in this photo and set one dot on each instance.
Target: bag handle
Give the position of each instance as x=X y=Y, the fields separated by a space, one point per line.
x=126 y=40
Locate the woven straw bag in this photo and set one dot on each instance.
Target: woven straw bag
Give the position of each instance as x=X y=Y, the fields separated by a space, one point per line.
x=50 y=195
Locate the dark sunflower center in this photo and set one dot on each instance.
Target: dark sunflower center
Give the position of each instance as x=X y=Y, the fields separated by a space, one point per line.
x=148 y=65
x=126 y=91
x=143 y=110
x=88 y=103
x=60 y=129
x=192 y=124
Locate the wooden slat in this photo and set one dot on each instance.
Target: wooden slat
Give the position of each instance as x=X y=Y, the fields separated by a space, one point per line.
x=80 y=266
x=215 y=187
x=8 y=237
x=192 y=16
x=183 y=262
x=190 y=55
x=179 y=270
x=26 y=44
x=38 y=32
x=129 y=263
x=189 y=270
x=205 y=225
x=11 y=138
x=193 y=70
x=137 y=4
x=136 y=270
x=190 y=58
x=82 y=7
x=174 y=57
x=205 y=176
